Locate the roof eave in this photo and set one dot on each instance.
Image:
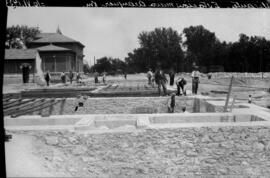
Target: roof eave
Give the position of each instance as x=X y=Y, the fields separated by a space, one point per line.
x=56 y=51
x=38 y=42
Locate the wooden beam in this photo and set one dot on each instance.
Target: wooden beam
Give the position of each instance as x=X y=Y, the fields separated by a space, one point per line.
x=16 y=105
x=20 y=108
x=36 y=108
x=12 y=103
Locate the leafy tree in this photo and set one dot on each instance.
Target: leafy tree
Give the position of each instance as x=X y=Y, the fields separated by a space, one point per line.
x=18 y=36
x=248 y=54
x=109 y=65
x=160 y=46
x=201 y=44
x=86 y=68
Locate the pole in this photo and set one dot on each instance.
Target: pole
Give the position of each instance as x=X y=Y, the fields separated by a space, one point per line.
x=228 y=96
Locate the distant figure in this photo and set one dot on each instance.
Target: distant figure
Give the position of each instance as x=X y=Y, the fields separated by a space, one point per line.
x=184 y=109
x=104 y=77
x=47 y=78
x=171 y=103
x=181 y=82
x=161 y=80
x=125 y=75
x=150 y=76
x=71 y=75
x=78 y=77
x=171 y=74
x=25 y=72
x=96 y=76
x=195 y=79
x=63 y=77
x=153 y=79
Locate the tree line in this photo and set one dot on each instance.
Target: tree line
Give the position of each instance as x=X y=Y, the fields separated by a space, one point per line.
x=170 y=49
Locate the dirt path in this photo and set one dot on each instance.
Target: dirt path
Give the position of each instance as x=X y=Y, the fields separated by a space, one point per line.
x=20 y=161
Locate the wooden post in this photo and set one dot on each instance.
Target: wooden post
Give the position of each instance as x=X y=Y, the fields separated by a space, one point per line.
x=228 y=96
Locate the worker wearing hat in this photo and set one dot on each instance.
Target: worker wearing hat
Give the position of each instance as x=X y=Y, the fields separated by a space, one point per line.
x=195 y=79
x=171 y=103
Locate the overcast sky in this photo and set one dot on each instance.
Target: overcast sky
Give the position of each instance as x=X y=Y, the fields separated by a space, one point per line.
x=114 y=31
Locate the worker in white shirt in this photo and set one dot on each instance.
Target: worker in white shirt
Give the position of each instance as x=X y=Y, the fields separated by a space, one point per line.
x=195 y=79
x=149 y=76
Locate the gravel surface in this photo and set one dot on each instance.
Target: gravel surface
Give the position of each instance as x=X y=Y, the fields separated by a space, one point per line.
x=186 y=152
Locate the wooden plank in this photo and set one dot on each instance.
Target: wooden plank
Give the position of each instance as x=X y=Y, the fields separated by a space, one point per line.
x=16 y=105
x=6 y=100
x=17 y=109
x=60 y=89
x=45 y=105
x=10 y=104
x=35 y=106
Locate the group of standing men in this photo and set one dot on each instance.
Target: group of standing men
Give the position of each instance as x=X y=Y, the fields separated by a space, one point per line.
x=160 y=79
x=96 y=74
x=63 y=77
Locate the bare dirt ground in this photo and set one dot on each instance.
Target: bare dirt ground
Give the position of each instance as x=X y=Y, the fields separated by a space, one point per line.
x=20 y=158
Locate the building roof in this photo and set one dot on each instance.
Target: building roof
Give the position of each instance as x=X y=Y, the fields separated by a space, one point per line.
x=52 y=47
x=54 y=38
x=20 y=54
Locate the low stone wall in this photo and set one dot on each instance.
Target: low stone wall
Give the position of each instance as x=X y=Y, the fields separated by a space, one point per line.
x=197 y=152
x=240 y=75
x=230 y=74
x=17 y=78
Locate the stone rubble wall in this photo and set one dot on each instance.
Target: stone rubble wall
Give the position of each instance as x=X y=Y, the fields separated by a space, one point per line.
x=119 y=106
x=196 y=152
x=239 y=75
x=230 y=74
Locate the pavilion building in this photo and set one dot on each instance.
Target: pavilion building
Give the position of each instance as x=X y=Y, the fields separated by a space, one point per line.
x=52 y=52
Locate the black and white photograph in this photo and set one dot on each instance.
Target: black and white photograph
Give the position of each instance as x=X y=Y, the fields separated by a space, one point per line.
x=136 y=92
